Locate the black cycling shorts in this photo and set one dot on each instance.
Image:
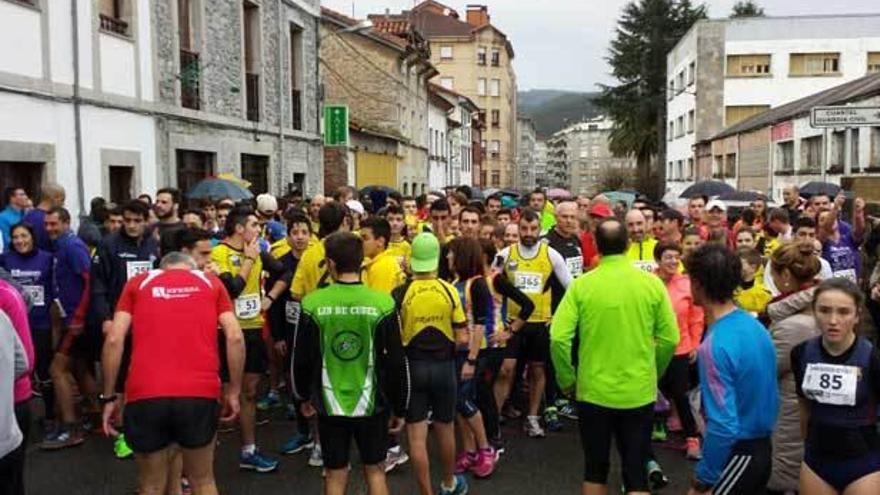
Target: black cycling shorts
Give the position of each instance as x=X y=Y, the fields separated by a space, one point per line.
x=631 y=431
x=256 y=357
x=153 y=424
x=534 y=342
x=370 y=434
x=432 y=388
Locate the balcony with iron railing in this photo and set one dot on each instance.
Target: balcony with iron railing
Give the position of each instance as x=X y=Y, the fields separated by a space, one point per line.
x=252 y=96
x=296 y=109
x=190 y=76
x=113 y=25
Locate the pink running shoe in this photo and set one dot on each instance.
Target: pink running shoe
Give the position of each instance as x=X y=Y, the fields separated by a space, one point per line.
x=464 y=461
x=486 y=460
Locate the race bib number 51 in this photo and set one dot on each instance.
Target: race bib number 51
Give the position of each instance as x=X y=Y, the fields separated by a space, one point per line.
x=528 y=282
x=247 y=307
x=831 y=383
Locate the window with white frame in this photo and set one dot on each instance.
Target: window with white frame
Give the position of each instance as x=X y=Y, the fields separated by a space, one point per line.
x=481 y=86
x=446 y=52
x=447 y=82
x=495 y=148
x=691 y=118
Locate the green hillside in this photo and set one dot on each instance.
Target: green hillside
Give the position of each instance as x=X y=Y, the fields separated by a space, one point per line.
x=551 y=110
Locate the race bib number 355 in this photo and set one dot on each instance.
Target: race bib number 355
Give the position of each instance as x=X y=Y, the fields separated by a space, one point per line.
x=528 y=282
x=135 y=268
x=831 y=383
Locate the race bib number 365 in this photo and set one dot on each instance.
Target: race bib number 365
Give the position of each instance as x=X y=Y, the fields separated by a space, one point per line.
x=247 y=307
x=831 y=383
x=528 y=282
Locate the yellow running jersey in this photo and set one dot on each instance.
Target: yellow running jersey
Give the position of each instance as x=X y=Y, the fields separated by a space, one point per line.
x=247 y=305
x=532 y=277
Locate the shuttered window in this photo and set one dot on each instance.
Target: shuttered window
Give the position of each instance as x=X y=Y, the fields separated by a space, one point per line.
x=748 y=65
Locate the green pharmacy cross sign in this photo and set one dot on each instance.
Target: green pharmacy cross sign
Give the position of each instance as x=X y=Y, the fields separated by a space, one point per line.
x=335 y=125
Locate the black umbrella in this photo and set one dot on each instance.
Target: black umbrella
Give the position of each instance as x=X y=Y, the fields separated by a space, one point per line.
x=366 y=191
x=707 y=188
x=813 y=188
x=745 y=196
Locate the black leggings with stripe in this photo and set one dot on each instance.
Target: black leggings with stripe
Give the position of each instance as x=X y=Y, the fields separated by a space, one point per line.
x=748 y=470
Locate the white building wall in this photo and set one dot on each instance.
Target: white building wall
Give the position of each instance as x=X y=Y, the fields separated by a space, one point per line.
x=853 y=36
x=43 y=130
x=20 y=35
x=117 y=66
x=438 y=148
x=780 y=87
x=682 y=103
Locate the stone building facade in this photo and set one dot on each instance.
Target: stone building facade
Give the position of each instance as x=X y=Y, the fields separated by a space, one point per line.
x=381 y=74
x=239 y=81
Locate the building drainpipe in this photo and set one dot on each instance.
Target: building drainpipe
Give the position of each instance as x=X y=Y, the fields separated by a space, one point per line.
x=281 y=98
x=319 y=95
x=77 y=123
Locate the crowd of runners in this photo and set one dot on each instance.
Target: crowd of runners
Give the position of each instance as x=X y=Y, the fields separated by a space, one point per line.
x=743 y=339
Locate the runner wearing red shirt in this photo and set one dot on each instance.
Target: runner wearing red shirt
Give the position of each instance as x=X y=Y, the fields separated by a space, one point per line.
x=598 y=211
x=173 y=383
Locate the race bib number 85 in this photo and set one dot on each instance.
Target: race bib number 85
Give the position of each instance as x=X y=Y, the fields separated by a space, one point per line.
x=528 y=282
x=831 y=383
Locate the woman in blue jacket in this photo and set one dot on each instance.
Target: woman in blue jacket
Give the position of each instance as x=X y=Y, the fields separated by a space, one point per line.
x=31 y=269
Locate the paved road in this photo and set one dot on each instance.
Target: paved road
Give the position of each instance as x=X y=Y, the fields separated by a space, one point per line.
x=530 y=467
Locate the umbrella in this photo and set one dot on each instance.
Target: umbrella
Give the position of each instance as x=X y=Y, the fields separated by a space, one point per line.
x=745 y=196
x=367 y=191
x=616 y=196
x=708 y=188
x=557 y=193
x=813 y=188
x=217 y=188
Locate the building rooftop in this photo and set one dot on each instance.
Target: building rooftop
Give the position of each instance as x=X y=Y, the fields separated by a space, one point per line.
x=344 y=20
x=433 y=20
x=861 y=88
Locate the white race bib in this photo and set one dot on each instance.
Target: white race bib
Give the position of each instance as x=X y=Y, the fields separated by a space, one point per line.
x=247 y=306
x=575 y=265
x=831 y=383
x=528 y=282
x=647 y=266
x=36 y=294
x=849 y=273
x=135 y=268
x=291 y=312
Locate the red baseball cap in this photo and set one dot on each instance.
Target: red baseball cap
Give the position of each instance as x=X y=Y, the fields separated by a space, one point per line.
x=601 y=210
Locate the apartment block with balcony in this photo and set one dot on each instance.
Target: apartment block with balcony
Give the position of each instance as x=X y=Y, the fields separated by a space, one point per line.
x=237 y=81
x=84 y=121
x=588 y=156
x=526 y=158
x=474 y=58
x=725 y=71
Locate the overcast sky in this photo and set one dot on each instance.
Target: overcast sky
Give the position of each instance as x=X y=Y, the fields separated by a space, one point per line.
x=561 y=44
